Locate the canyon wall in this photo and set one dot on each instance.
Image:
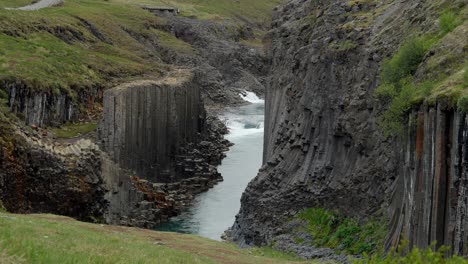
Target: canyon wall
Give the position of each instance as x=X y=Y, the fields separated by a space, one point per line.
x=146 y=122
x=429 y=200
x=323 y=146
x=50 y=108
x=38 y=177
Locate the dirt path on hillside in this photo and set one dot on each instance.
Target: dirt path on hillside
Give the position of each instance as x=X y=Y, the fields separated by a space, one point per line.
x=39 y=5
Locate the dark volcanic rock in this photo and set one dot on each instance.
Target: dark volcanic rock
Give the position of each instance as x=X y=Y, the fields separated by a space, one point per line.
x=226 y=66
x=146 y=122
x=36 y=178
x=162 y=149
x=45 y=108
x=322 y=144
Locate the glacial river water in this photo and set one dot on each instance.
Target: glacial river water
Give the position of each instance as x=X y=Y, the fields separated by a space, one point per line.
x=214 y=211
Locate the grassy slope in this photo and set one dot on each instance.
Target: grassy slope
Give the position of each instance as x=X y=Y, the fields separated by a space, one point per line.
x=252 y=11
x=31 y=52
x=56 y=239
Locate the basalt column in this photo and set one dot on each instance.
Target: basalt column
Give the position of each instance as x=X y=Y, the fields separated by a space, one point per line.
x=146 y=122
x=430 y=201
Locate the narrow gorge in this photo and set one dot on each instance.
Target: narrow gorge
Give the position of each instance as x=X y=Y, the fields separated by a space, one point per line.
x=297 y=130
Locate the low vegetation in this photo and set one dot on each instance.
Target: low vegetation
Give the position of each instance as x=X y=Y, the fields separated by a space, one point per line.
x=414 y=256
x=87 y=43
x=442 y=73
x=74 y=130
x=56 y=239
x=349 y=235
x=255 y=12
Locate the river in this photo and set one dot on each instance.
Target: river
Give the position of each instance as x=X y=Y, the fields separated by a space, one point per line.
x=214 y=211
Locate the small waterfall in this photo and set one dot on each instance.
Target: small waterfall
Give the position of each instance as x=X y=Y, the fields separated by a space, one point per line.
x=251 y=97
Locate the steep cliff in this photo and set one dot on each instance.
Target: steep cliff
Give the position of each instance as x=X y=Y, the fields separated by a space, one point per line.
x=324 y=146
x=161 y=148
x=145 y=123
x=429 y=200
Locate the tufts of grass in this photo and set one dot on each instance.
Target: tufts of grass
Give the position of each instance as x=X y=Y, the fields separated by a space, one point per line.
x=330 y=229
x=167 y=40
x=412 y=256
x=74 y=130
x=258 y=12
x=343 y=45
x=405 y=62
x=448 y=21
x=442 y=79
x=399 y=100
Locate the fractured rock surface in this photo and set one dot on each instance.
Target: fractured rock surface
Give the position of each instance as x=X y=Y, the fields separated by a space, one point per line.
x=323 y=147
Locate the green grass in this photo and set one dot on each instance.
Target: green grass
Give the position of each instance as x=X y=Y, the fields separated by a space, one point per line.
x=55 y=239
x=414 y=256
x=258 y=12
x=53 y=49
x=442 y=73
x=343 y=45
x=330 y=229
x=448 y=21
x=74 y=130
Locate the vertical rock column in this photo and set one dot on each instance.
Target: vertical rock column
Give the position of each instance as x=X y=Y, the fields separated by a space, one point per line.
x=430 y=202
x=146 y=122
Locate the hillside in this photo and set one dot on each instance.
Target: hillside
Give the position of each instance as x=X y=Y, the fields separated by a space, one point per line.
x=85 y=43
x=57 y=239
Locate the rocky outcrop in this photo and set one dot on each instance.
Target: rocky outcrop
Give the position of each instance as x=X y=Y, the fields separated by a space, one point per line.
x=429 y=199
x=137 y=202
x=323 y=147
x=145 y=123
x=226 y=66
x=161 y=149
x=37 y=177
x=45 y=108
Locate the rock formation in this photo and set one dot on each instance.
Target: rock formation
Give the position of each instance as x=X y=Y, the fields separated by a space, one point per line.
x=429 y=200
x=323 y=147
x=145 y=123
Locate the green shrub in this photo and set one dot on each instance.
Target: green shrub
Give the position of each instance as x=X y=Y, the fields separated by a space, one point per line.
x=397 y=91
x=392 y=119
x=330 y=229
x=3 y=94
x=405 y=61
x=462 y=104
x=448 y=22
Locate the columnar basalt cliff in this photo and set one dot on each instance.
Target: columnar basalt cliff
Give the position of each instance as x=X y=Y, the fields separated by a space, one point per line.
x=145 y=123
x=323 y=146
x=430 y=200
x=45 y=108
x=162 y=149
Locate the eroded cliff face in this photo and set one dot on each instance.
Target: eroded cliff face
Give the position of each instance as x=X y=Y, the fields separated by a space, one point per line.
x=39 y=177
x=323 y=147
x=430 y=200
x=161 y=148
x=51 y=108
x=145 y=123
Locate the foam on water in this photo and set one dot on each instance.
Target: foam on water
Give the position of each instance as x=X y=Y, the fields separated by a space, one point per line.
x=243 y=127
x=251 y=97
